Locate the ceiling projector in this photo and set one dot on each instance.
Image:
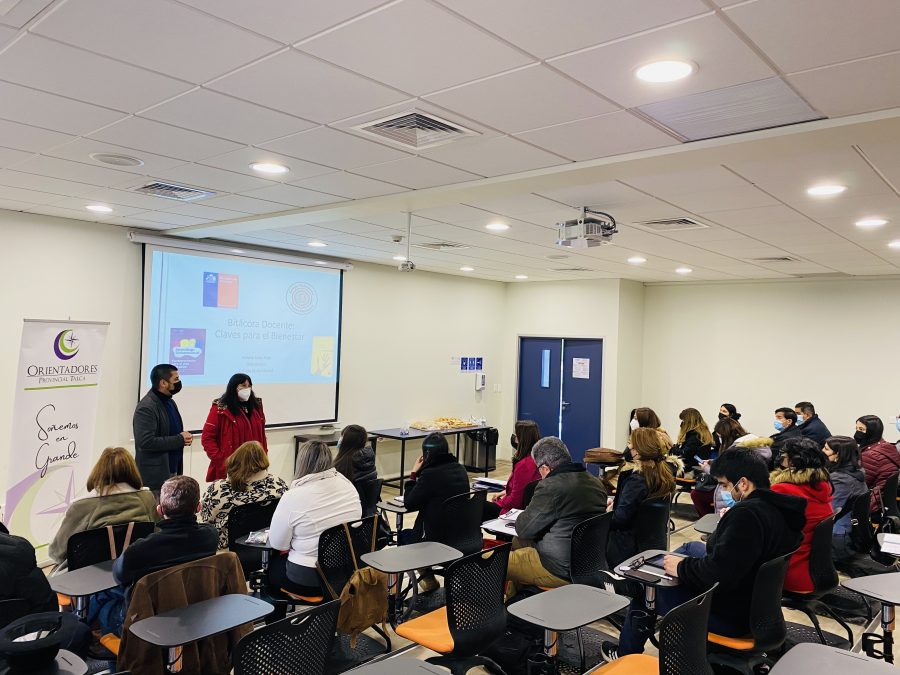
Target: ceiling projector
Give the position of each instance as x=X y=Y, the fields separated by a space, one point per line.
x=591 y=228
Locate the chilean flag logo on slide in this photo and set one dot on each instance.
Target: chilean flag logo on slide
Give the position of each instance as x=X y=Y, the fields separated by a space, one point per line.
x=220 y=290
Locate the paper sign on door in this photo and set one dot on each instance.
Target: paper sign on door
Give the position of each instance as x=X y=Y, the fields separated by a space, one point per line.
x=581 y=369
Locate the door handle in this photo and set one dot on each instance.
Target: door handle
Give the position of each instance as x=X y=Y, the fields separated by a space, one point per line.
x=565 y=404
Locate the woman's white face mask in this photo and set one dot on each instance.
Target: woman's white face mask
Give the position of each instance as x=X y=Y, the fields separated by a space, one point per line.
x=244 y=394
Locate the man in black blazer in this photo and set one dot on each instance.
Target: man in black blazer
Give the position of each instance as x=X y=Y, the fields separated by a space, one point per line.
x=159 y=435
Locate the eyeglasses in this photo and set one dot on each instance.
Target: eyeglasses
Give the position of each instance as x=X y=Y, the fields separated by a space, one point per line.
x=637 y=563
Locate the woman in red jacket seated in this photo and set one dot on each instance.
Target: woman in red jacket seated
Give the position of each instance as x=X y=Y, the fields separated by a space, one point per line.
x=880 y=459
x=524 y=472
x=803 y=473
x=234 y=418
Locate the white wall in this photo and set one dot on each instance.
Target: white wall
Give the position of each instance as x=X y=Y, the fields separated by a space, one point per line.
x=767 y=345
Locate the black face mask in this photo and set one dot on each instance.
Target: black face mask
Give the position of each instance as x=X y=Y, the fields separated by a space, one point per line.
x=722 y=416
x=175 y=388
x=513 y=441
x=860 y=438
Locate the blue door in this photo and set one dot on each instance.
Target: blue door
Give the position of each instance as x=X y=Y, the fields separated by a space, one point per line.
x=560 y=389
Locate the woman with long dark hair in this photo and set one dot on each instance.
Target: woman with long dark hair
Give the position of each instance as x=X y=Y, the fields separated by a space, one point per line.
x=234 y=418
x=880 y=459
x=355 y=459
x=524 y=472
x=849 y=482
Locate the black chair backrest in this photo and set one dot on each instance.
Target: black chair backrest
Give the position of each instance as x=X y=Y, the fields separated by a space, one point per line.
x=335 y=558
x=298 y=644
x=682 y=637
x=460 y=522
x=12 y=609
x=861 y=533
x=588 y=552
x=821 y=561
x=369 y=495
x=651 y=525
x=248 y=518
x=766 y=620
x=529 y=492
x=476 y=613
x=889 y=496
x=92 y=546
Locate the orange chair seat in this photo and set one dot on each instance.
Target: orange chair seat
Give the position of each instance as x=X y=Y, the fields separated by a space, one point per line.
x=112 y=642
x=636 y=664
x=685 y=481
x=740 y=644
x=63 y=600
x=430 y=630
x=312 y=599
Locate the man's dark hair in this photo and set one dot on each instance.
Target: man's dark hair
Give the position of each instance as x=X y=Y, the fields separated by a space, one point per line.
x=806 y=407
x=788 y=413
x=161 y=371
x=179 y=496
x=738 y=463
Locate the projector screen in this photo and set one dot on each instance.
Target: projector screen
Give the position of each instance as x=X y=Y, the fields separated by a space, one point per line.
x=213 y=315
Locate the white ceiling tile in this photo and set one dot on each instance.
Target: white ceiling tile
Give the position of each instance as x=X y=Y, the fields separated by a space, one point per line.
x=603 y=136
x=514 y=205
x=6 y=35
x=141 y=134
x=453 y=213
x=755 y=217
x=607 y=195
x=886 y=157
x=76 y=171
x=205 y=210
x=79 y=204
x=297 y=84
x=19 y=12
x=12 y=205
x=709 y=201
x=348 y=185
x=416 y=173
x=722 y=59
x=160 y=35
x=801 y=34
x=851 y=207
x=129 y=198
x=493 y=156
x=219 y=115
x=542 y=29
x=416 y=47
x=210 y=178
x=672 y=184
x=57 y=68
x=854 y=87
x=293 y=195
x=239 y=161
x=357 y=227
x=172 y=219
x=30 y=106
x=289 y=20
x=68 y=213
x=246 y=204
x=25 y=195
x=334 y=149
x=81 y=149
x=8 y=156
x=508 y=102
x=30 y=181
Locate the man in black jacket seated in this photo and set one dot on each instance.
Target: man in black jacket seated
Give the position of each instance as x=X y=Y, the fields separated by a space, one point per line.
x=180 y=538
x=762 y=525
x=786 y=426
x=810 y=424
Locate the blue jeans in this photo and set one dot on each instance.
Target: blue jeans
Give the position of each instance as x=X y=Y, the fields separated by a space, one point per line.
x=639 y=625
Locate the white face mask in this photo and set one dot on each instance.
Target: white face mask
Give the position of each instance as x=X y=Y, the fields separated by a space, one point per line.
x=634 y=424
x=244 y=394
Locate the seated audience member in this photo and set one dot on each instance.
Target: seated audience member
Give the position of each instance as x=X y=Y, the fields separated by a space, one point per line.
x=652 y=477
x=725 y=410
x=235 y=418
x=880 y=459
x=785 y=428
x=849 y=482
x=115 y=495
x=180 y=538
x=803 y=474
x=761 y=526
x=318 y=498
x=694 y=439
x=566 y=495
x=436 y=476
x=645 y=418
x=248 y=482
x=355 y=460
x=810 y=424
x=524 y=472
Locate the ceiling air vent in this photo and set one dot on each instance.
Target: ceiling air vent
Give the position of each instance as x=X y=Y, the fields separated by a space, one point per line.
x=415 y=130
x=180 y=193
x=776 y=259
x=569 y=269
x=671 y=225
x=441 y=246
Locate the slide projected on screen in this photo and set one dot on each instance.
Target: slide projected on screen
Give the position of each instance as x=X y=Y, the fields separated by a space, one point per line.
x=214 y=315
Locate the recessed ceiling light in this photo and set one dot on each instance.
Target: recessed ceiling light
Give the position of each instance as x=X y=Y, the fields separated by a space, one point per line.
x=116 y=160
x=895 y=243
x=636 y=260
x=99 y=208
x=521 y=277
x=466 y=269
x=316 y=244
x=871 y=222
x=269 y=167
x=321 y=262
x=237 y=250
x=665 y=71
x=684 y=270
x=400 y=258
x=497 y=227
x=825 y=190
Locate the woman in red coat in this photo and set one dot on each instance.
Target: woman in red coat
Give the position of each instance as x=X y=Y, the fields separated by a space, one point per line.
x=803 y=473
x=524 y=472
x=234 y=418
x=880 y=459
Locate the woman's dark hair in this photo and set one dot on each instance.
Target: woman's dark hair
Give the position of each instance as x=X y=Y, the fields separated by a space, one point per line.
x=874 y=429
x=738 y=463
x=433 y=446
x=846 y=451
x=802 y=454
x=729 y=429
x=353 y=439
x=230 y=398
x=647 y=418
x=732 y=411
x=527 y=434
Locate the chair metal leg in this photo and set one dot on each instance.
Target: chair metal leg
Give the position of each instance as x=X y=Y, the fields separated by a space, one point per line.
x=843 y=624
x=581 y=653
